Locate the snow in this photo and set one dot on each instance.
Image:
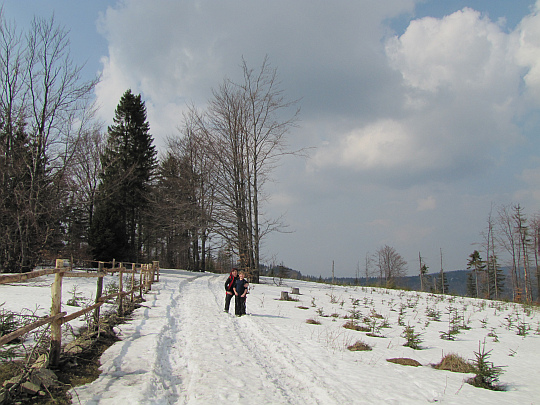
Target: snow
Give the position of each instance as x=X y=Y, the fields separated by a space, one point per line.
x=182 y=348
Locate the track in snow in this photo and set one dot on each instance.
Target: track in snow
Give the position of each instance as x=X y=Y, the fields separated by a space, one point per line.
x=189 y=351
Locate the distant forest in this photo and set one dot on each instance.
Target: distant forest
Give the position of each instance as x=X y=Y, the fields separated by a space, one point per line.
x=457 y=281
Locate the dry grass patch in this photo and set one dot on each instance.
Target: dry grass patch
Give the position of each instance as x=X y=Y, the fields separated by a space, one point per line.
x=359 y=346
x=375 y=335
x=354 y=326
x=313 y=321
x=404 y=361
x=455 y=363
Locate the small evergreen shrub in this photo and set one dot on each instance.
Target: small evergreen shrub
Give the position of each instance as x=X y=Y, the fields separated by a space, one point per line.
x=8 y=322
x=494 y=335
x=433 y=314
x=354 y=314
x=522 y=329
x=351 y=324
x=76 y=297
x=413 y=339
x=487 y=375
x=453 y=325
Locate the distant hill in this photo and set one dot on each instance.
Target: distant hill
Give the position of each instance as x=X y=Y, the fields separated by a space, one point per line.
x=457 y=279
x=280 y=271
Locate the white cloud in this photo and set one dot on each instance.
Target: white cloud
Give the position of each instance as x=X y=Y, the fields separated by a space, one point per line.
x=461 y=89
x=427 y=204
x=530 y=194
x=528 y=53
x=385 y=144
x=460 y=52
x=176 y=52
x=282 y=199
x=108 y=92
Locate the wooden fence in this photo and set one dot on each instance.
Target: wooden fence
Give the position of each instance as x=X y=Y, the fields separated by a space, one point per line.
x=148 y=274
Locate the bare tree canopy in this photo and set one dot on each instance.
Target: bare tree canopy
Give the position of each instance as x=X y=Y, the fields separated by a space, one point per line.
x=391 y=264
x=243 y=133
x=45 y=107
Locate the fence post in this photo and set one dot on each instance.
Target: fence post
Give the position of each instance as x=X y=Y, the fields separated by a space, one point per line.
x=132 y=280
x=99 y=291
x=156 y=269
x=150 y=275
x=121 y=290
x=56 y=308
x=145 y=277
x=149 y=278
x=141 y=282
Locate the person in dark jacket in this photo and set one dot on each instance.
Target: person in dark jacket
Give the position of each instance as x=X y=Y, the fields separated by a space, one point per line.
x=240 y=291
x=229 y=288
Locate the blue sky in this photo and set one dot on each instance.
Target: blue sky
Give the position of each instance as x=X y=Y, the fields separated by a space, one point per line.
x=422 y=114
x=511 y=11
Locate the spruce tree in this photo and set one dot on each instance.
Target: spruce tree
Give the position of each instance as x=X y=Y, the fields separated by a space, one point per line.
x=129 y=162
x=442 y=283
x=471 y=285
x=478 y=266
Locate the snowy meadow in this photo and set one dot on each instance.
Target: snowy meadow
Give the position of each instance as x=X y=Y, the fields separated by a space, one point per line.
x=181 y=348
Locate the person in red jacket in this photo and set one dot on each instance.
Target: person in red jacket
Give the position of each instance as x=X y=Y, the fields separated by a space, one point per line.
x=229 y=288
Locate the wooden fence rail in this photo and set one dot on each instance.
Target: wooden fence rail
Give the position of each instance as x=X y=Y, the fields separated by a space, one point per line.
x=148 y=274
x=21 y=331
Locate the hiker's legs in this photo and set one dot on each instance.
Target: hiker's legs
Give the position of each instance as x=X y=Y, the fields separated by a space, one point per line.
x=228 y=298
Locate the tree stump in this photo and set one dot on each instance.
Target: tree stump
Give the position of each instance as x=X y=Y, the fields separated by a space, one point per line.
x=295 y=290
x=284 y=296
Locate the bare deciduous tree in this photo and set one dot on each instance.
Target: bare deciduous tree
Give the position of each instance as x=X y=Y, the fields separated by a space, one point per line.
x=44 y=107
x=244 y=133
x=507 y=239
x=194 y=205
x=83 y=181
x=391 y=264
x=535 y=231
x=517 y=239
x=522 y=232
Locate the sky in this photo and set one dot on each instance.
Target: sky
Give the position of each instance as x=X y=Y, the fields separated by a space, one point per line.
x=420 y=115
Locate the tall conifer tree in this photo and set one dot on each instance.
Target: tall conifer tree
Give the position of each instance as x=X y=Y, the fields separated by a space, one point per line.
x=129 y=162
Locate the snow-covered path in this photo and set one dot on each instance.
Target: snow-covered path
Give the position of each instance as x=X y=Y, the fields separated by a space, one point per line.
x=190 y=351
x=181 y=348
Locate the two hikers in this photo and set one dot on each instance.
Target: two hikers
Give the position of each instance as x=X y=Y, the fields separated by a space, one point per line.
x=236 y=285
